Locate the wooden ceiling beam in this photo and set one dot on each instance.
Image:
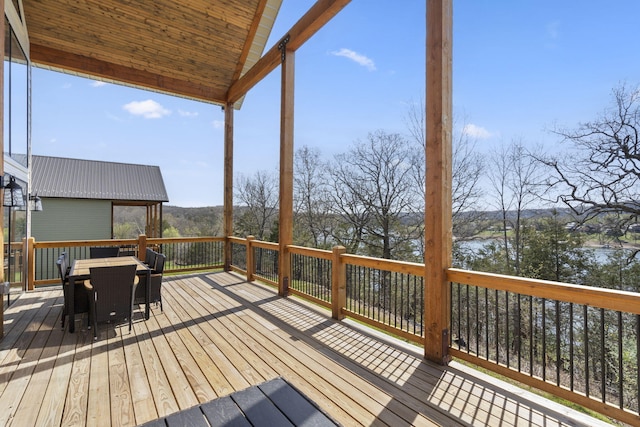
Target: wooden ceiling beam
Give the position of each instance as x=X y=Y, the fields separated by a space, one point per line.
x=65 y=61
x=315 y=18
x=255 y=22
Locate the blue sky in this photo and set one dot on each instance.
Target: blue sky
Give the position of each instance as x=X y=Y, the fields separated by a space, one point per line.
x=518 y=69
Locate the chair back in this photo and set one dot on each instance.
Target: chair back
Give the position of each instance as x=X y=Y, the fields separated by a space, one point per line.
x=103 y=251
x=160 y=259
x=150 y=258
x=155 y=284
x=62 y=268
x=80 y=301
x=113 y=288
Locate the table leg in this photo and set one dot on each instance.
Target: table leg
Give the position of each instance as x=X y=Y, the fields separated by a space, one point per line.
x=147 y=296
x=71 y=312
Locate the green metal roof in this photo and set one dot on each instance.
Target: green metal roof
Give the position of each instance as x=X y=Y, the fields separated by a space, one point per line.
x=90 y=179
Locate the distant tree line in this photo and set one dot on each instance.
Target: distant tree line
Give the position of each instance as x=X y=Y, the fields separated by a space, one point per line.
x=370 y=198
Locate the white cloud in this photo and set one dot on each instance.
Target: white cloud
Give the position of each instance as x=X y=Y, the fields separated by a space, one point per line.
x=553 y=29
x=476 y=131
x=218 y=124
x=356 y=57
x=96 y=83
x=188 y=113
x=148 y=109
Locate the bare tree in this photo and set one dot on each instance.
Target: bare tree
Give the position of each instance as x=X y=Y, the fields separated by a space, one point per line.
x=376 y=196
x=313 y=220
x=499 y=177
x=517 y=183
x=258 y=196
x=352 y=215
x=600 y=173
x=467 y=169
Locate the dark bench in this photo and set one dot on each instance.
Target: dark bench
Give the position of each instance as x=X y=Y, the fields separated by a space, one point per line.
x=273 y=403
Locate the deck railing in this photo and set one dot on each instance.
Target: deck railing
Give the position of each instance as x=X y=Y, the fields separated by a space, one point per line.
x=190 y=254
x=311 y=271
x=239 y=254
x=577 y=342
x=183 y=254
x=386 y=294
x=265 y=261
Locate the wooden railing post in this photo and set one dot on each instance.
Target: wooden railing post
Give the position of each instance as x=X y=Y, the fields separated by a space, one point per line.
x=31 y=262
x=142 y=247
x=338 y=283
x=251 y=265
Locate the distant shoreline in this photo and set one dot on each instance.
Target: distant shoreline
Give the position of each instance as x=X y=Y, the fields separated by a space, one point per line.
x=590 y=244
x=625 y=245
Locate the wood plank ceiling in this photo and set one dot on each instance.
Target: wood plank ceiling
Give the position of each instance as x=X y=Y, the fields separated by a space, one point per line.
x=194 y=48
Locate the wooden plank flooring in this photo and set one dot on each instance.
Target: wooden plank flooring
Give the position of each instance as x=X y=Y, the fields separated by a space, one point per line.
x=219 y=334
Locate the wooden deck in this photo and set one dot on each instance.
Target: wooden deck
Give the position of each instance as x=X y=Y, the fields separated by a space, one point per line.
x=219 y=334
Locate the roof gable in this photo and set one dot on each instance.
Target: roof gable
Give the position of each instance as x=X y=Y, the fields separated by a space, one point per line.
x=90 y=179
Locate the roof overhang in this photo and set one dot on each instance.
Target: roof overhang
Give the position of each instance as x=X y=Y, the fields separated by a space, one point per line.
x=211 y=51
x=195 y=49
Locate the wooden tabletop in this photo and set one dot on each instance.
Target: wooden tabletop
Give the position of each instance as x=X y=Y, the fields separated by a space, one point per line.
x=81 y=267
x=81 y=270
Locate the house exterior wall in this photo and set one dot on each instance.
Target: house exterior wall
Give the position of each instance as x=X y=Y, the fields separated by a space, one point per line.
x=72 y=219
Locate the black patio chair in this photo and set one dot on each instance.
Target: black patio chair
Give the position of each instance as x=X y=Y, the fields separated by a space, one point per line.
x=103 y=251
x=111 y=291
x=155 y=278
x=150 y=258
x=80 y=296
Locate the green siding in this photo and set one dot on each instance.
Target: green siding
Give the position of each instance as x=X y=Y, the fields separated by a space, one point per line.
x=72 y=219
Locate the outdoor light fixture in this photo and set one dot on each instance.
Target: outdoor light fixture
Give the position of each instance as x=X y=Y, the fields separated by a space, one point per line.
x=12 y=193
x=35 y=203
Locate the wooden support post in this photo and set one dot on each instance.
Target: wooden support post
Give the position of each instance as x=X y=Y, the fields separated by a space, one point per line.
x=228 y=183
x=149 y=228
x=438 y=232
x=285 y=237
x=29 y=250
x=251 y=263
x=338 y=283
x=154 y=221
x=160 y=219
x=142 y=247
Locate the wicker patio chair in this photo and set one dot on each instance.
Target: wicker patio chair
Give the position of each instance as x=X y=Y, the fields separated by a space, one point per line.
x=150 y=258
x=103 y=251
x=155 y=289
x=80 y=296
x=111 y=291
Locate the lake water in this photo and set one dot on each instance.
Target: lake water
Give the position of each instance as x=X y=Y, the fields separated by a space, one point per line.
x=601 y=254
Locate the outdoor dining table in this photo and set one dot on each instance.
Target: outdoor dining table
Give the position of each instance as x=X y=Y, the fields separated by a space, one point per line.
x=81 y=270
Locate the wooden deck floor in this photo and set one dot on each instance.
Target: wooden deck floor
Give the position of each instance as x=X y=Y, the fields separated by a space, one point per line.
x=219 y=334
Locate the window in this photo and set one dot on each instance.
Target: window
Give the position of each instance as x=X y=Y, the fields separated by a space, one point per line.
x=16 y=98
